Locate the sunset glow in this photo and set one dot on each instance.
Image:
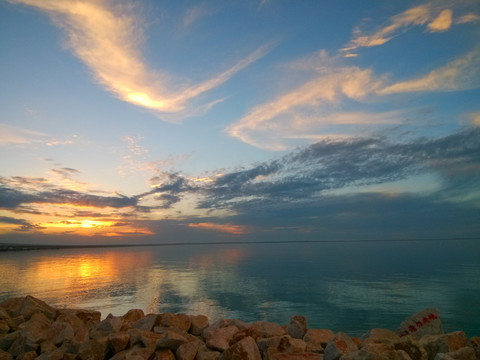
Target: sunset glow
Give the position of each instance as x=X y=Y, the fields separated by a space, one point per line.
x=159 y=122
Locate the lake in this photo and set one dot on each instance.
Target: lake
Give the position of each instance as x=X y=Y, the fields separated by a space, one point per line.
x=347 y=286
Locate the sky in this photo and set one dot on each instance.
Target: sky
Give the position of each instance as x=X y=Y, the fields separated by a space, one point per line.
x=126 y=122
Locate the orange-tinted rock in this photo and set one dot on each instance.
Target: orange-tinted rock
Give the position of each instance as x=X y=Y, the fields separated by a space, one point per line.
x=198 y=324
x=245 y=349
x=177 y=321
x=297 y=356
x=444 y=343
x=340 y=345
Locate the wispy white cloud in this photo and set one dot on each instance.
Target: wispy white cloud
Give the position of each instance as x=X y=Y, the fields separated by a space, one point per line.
x=436 y=16
x=460 y=74
x=307 y=108
x=107 y=39
x=15 y=135
x=468 y=18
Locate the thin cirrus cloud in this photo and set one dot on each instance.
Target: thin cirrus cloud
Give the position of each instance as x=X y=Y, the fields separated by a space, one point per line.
x=432 y=15
x=462 y=73
x=285 y=115
x=226 y=228
x=106 y=39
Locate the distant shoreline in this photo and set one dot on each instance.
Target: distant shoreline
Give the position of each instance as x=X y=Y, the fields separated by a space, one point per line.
x=28 y=247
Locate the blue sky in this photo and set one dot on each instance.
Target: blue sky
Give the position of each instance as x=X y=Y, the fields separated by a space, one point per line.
x=154 y=121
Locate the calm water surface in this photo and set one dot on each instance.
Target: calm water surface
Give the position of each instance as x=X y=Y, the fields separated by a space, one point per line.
x=350 y=287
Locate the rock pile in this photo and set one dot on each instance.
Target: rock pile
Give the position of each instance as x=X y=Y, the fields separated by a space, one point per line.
x=31 y=329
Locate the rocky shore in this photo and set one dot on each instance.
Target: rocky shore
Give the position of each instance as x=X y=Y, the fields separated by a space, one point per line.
x=31 y=329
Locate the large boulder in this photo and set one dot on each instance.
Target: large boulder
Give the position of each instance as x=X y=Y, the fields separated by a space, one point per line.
x=444 y=343
x=340 y=345
x=412 y=347
x=245 y=349
x=176 y=321
x=317 y=339
x=265 y=329
x=426 y=322
x=220 y=338
x=198 y=324
x=148 y=322
x=204 y=353
x=31 y=306
x=297 y=327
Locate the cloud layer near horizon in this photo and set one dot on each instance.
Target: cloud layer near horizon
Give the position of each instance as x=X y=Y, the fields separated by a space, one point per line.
x=303 y=178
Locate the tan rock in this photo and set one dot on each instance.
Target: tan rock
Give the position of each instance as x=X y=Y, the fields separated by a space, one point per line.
x=177 y=321
x=317 y=339
x=340 y=345
x=209 y=330
x=56 y=354
x=7 y=340
x=297 y=327
x=380 y=335
x=297 y=356
x=170 y=340
x=426 y=322
x=22 y=345
x=444 y=343
x=4 y=327
x=93 y=349
x=118 y=341
x=188 y=351
x=198 y=324
x=220 y=338
x=464 y=353
x=31 y=306
x=5 y=355
x=80 y=329
x=204 y=353
x=135 y=353
x=133 y=315
x=163 y=354
x=148 y=322
x=31 y=355
x=12 y=305
x=475 y=344
x=60 y=331
x=265 y=329
x=291 y=345
x=143 y=338
x=412 y=347
x=378 y=348
x=245 y=349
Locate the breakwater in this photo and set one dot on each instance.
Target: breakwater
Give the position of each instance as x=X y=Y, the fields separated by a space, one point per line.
x=32 y=329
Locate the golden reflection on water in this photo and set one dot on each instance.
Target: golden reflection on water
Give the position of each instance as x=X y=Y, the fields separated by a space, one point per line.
x=77 y=272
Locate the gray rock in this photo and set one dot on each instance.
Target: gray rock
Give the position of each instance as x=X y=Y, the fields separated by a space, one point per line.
x=426 y=322
x=297 y=328
x=148 y=322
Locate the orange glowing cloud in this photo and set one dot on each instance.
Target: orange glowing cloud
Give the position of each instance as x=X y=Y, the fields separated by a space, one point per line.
x=227 y=228
x=106 y=37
